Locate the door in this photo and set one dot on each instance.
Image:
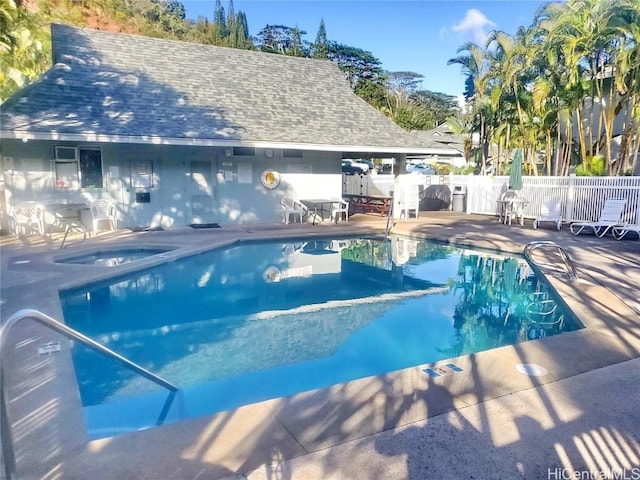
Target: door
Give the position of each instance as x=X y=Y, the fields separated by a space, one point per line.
x=202 y=192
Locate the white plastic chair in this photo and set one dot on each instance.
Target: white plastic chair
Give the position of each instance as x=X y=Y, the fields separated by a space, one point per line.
x=338 y=208
x=516 y=209
x=609 y=218
x=551 y=211
x=293 y=207
x=27 y=217
x=504 y=205
x=103 y=210
x=409 y=201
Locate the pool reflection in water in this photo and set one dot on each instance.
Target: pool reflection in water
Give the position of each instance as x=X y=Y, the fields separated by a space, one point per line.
x=264 y=320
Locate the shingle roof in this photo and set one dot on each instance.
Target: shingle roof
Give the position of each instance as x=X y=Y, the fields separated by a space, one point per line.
x=126 y=85
x=441 y=137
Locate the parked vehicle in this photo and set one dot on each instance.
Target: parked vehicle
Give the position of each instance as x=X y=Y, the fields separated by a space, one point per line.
x=351 y=167
x=385 y=168
x=424 y=169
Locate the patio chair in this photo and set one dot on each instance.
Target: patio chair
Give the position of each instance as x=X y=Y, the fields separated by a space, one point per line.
x=512 y=206
x=102 y=210
x=293 y=207
x=27 y=217
x=504 y=205
x=339 y=208
x=609 y=218
x=551 y=211
x=620 y=231
x=409 y=201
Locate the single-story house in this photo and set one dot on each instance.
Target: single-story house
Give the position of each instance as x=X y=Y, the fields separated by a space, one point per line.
x=443 y=144
x=176 y=133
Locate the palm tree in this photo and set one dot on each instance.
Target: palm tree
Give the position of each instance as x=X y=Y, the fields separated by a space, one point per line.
x=476 y=66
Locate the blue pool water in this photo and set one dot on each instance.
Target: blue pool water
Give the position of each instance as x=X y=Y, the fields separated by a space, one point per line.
x=111 y=258
x=263 y=320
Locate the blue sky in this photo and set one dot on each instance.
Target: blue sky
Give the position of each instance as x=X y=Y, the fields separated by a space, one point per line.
x=417 y=36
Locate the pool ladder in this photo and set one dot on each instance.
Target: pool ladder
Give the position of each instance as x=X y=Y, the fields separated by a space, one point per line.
x=570 y=268
x=6 y=437
x=389 y=225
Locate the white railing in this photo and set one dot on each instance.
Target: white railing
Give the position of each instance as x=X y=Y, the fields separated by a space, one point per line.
x=582 y=198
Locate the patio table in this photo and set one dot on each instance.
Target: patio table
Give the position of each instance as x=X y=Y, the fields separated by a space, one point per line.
x=509 y=206
x=319 y=205
x=369 y=203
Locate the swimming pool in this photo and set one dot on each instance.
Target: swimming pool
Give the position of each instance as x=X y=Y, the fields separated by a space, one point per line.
x=263 y=320
x=112 y=257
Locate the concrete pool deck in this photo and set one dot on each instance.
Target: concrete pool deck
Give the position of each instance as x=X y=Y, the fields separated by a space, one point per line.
x=488 y=421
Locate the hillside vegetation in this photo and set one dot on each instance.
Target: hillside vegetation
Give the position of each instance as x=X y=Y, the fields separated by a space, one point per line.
x=25 y=48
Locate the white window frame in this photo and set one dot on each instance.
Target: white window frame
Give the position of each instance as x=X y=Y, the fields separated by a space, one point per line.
x=67 y=171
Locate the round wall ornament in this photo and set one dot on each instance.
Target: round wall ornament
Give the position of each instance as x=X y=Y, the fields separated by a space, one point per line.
x=270 y=179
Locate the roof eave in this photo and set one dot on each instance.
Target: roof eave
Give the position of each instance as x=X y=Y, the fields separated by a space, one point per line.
x=206 y=142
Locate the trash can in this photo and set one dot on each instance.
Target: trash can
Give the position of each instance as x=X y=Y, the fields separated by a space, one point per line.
x=459 y=202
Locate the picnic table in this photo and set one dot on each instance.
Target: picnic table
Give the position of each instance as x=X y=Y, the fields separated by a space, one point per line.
x=379 y=204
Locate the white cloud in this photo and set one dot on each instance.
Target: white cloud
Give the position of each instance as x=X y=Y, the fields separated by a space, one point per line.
x=472 y=26
x=443 y=32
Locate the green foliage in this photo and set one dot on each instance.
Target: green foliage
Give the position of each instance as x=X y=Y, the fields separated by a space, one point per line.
x=531 y=89
x=25 y=47
x=359 y=66
x=320 y=48
x=282 y=39
x=592 y=167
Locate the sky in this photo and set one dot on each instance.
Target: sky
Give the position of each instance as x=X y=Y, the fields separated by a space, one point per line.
x=409 y=36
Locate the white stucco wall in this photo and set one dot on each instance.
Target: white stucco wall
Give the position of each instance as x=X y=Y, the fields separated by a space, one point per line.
x=190 y=184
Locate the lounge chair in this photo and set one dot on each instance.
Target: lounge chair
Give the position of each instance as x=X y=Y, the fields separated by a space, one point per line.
x=609 y=218
x=293 y=207
x=619 y=231
x=551 y=211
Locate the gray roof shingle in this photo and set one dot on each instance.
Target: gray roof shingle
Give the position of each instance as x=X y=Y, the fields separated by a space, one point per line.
x=440 y=137
x=116 y=84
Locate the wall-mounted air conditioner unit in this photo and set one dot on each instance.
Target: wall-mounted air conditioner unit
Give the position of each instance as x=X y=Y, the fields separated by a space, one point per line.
x=66 y=153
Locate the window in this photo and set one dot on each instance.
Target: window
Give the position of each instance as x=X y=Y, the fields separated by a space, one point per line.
x=292 y=153
x=78 y=168
x=141 y=174
x=244 y=151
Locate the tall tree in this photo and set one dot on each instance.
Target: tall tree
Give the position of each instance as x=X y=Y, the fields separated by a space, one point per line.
x=280 y=39
x=320 y=48
x=22 y=48
x=242 y=37
x=219 y=29
x=475 y=64
x=296 y=47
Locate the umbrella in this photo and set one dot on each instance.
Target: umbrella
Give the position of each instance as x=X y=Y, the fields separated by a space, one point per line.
x=515 y=177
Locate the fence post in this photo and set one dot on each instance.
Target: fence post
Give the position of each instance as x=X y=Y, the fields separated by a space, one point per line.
x=570 y=197
x=471 y=187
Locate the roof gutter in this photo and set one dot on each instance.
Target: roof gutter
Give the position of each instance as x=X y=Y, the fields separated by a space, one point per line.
x=206 y=142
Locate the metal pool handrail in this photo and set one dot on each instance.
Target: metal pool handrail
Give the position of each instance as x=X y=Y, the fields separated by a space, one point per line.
x=52 y=323
x=389 y=216
x=568 y=263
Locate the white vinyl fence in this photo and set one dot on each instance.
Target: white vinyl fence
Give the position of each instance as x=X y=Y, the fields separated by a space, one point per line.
x=582 y=198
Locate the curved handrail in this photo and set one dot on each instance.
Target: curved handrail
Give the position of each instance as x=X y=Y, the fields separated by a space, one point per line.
x=59 y=327
x=389 y=225
x=52 y=323
x=532 y=246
